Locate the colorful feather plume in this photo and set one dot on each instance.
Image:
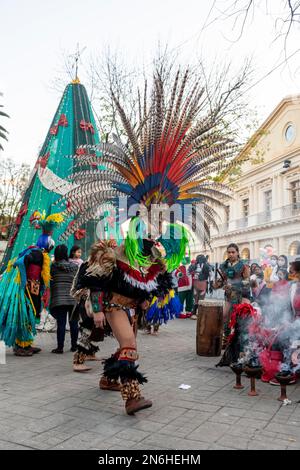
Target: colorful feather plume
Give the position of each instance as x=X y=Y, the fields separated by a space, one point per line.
x=46 y=223
x=173 y=153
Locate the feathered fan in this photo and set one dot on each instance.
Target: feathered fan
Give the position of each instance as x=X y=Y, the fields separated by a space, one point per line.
x=173 y=152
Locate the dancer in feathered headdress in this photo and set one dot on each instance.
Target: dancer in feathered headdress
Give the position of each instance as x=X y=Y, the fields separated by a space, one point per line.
x=24 y=285
x=115 y=280
x=173 y=152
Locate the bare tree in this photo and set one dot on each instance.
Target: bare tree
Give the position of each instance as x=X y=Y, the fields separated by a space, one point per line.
x=13 y=182
x=286 y=15
x=110 y=78
x=109 y=72
x=3 y=131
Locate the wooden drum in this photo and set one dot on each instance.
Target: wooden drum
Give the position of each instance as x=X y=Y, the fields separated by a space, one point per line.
x=209 y=327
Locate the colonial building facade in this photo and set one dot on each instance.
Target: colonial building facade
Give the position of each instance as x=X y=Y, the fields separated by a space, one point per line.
x=265 y=209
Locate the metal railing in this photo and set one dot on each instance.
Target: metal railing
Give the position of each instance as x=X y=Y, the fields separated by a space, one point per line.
x=263 y=217
x=242 y=223
x=274 y=215
x=291 y=210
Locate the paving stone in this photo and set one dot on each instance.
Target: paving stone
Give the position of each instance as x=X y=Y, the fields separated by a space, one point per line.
x=132 y=434
x=259 y=445
x=210 y=432
x=252 y=423
x=4 y=445
x=233 y=442
x=284 y=429
x=148 y=426
x=63 y=404
x=170 y=442
x=115 y=441
x=45 y=405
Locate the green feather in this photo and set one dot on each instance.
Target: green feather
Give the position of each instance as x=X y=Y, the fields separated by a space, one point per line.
x=176 y=245
x=134 y=244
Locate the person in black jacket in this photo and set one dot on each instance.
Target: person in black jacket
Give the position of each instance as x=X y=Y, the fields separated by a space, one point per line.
x=62 y=304
x=200 y=272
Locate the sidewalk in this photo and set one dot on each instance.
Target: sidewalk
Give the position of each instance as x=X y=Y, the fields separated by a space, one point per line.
x=45 y=405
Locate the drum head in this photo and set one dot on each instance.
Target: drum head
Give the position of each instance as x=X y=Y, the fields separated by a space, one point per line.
x=211 y=303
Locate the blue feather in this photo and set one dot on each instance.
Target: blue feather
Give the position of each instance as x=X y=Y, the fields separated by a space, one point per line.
x=158 y=314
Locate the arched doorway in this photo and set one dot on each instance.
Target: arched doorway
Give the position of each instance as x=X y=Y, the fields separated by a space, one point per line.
x=294 y=248
x=245 y=253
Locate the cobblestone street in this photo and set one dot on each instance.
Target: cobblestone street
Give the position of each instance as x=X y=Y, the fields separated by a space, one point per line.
x=45 y=405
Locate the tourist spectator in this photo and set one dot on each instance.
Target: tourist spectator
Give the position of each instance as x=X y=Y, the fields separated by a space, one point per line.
x=61 y=303
x=200 y=274
x=75 y=255
x=185 y=291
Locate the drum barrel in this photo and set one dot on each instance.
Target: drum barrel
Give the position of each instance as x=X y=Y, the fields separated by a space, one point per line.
x=209 y=328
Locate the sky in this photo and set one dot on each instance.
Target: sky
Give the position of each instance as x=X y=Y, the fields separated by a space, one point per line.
x=34 y=36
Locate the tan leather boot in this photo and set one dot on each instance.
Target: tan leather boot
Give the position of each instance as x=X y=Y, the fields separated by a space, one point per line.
x=81 y=368
x=131 y=393
x=136 y=404
x=109 y=384
x=78 y=363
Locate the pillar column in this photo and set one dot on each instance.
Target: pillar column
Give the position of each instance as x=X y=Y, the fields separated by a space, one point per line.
x=279 y=191
x=274 y=193
x=255 y=198
x=251 y=200
x=252 y=250
x=276 y=245
x=233 y=213
x=256 y=249
x=282 y=246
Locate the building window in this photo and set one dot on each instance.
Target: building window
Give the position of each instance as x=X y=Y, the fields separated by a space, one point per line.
x=295 y=194
x=290 y=133
x=245 y=204
x=268 y=203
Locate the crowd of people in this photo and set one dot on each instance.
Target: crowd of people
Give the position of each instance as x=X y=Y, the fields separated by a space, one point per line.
x=265 y=283
x=261 y=312
x=261 y=309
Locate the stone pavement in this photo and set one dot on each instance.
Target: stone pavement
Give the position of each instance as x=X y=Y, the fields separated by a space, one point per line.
x=45 y=405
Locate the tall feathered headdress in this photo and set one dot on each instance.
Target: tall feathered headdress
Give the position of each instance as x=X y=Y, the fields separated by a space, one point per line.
x=173 y=152
x=47 y=224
